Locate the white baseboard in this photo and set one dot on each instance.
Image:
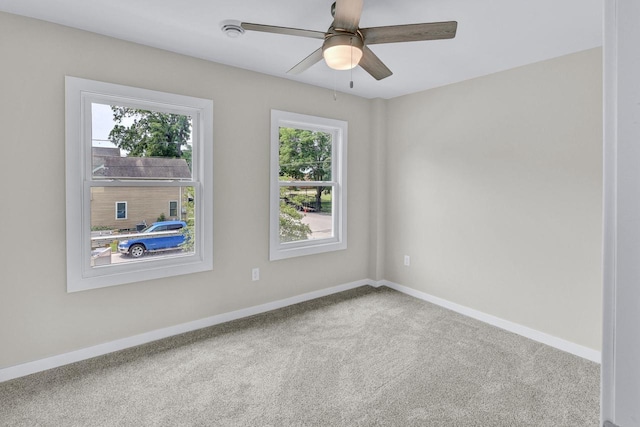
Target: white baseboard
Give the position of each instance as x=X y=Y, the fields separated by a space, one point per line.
x=28 y=368
x=550 y=340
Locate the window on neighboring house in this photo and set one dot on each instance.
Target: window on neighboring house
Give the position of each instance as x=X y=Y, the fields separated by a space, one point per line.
x=308 y=185
x=121 y=210
x=173 y=209
x=152 y=149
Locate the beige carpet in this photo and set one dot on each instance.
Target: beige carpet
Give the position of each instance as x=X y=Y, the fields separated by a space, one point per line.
x=366 y=357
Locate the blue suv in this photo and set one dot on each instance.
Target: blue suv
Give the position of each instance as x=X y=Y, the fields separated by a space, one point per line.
x=161 y=236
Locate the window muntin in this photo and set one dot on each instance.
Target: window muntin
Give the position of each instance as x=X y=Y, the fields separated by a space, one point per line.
x=308 y=191
x=98 y=174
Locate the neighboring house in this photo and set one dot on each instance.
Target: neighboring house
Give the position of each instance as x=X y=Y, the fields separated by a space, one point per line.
x=126 y=208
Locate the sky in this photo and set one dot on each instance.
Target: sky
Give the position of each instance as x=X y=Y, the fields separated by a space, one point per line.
x=101 y=124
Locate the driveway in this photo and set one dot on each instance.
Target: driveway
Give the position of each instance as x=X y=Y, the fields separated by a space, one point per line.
x=321 y=224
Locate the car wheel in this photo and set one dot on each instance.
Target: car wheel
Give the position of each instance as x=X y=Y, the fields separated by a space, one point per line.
x=136 y=250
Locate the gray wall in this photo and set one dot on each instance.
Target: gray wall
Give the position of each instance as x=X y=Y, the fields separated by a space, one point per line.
x=494 y=189
x=37 y=317
x=492 y=186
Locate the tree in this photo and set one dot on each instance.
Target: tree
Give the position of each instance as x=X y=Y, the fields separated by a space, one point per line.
x=187 y=154
x=188 y=203
x=292 y=229
x=152 y=133
x=306 y=156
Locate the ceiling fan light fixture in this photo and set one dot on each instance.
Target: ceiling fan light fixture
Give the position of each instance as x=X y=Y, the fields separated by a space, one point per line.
x=342 y=51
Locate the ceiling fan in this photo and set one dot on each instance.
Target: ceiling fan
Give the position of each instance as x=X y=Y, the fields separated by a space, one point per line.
x=346 y=45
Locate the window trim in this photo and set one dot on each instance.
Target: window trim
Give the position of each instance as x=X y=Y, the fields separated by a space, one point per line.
x=80 y=93
x=339 y=131
x=126 y=211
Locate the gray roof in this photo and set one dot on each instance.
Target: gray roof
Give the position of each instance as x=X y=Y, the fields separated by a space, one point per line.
x=105 y=151
x=140 y=167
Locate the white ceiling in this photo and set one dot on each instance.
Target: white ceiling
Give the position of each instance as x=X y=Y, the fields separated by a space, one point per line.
x=493 y=35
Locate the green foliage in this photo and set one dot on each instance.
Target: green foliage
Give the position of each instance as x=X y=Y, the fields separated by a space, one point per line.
x=306 y=156
x=188 y=202
x=302 y=198
x=187 y=154
x=100 y=228
x=152 y=134
x=162 y=217
x=189 y=238
x=291 y=226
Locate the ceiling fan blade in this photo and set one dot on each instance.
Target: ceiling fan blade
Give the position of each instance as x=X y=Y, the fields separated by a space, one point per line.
x=347 y=15
x=410 y=32
x=373 y=65
x=283 y=30
x=307 y=62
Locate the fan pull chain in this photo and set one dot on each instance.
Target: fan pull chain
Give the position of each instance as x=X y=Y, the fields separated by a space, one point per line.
x=351 y=51
x=335 y=83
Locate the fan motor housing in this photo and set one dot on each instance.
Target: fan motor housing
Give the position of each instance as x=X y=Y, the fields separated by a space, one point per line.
x=342 y=39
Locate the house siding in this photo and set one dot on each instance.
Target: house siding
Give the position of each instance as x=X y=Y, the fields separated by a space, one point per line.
x=143 y=204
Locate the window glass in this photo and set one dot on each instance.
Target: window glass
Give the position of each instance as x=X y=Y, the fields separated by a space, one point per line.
x=145 y=220
x=306 y=213
x=139 y=144
x=304 y=155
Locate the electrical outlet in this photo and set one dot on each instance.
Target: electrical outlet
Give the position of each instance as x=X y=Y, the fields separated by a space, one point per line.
x=255 y=274
x=407 y=260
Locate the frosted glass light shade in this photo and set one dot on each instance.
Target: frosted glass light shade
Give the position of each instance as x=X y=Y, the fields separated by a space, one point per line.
x=342 y=57
x=342 y=51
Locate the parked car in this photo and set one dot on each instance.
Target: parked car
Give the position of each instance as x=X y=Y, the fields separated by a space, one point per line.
x=149 y=241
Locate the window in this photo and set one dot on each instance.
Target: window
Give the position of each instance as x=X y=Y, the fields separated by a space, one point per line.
x=308 y=185
x=121 y=210
x=173 y=209
x=149 y=154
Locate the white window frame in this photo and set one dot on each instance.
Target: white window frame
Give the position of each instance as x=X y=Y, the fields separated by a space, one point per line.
x=338 y=130
x=80 y=94
x=126 y=211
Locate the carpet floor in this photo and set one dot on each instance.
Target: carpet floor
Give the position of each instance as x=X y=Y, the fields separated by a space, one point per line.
x=365 y=357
